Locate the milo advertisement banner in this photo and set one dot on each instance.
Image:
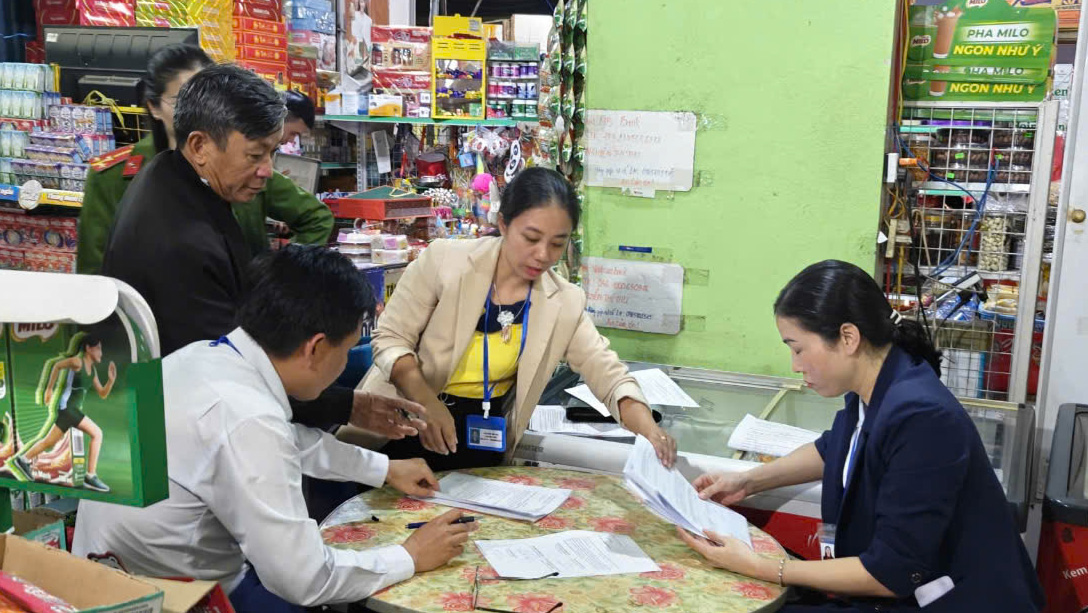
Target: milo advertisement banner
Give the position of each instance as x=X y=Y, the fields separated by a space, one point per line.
x=85 y=412
x=979 y=50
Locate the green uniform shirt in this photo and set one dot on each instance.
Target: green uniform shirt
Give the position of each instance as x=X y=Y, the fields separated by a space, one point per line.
x=281 y=199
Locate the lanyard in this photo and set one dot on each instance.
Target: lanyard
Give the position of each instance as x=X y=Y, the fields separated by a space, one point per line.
x=223 y=340
x=524 y=334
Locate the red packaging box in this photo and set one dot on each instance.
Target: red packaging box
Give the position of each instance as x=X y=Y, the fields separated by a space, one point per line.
x=42 y=5
x=302 y=64
x=258 y=11
x=40 y=260
x=258 y=39
x=249 y=24
x=302 y=78
x=263 y=54
x=113 y=13
x=117 y=13
x=273 y=73
x=272 y=5
x=58 y=17
x=401 y=34
x=395 y=82
x=35 y=52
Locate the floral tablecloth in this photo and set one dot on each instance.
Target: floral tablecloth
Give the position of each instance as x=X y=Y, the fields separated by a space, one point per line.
x=597 y=502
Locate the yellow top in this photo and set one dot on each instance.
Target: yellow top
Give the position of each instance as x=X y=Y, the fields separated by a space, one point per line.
x=467 y=380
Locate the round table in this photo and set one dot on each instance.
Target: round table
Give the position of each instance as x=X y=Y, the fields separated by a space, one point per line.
x=686 y=582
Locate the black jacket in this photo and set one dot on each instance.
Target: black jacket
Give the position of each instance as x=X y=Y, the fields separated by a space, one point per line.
x=178 y=243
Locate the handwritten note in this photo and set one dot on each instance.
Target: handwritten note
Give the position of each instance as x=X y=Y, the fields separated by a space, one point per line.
x=640 y=151
x=630 y=295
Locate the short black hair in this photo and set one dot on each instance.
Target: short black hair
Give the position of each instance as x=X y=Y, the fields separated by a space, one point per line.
x=164 y=66
x=223 y=99
x=300 y=291
x=537 y=187
x=300 y=106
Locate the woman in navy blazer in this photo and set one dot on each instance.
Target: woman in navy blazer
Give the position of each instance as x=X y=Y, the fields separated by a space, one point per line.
x=920 y=517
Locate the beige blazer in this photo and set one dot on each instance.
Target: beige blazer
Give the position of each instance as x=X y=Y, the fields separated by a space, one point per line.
x=434 y=311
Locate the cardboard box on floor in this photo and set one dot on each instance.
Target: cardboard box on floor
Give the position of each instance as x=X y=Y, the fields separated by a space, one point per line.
x=81 y=583
x=41 y=525
x=92 y=586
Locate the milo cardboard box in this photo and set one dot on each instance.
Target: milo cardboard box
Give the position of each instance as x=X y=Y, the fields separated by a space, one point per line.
x=979 y=50
x=87 y=409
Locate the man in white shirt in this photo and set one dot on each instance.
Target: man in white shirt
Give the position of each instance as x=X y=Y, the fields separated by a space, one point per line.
x=236 y=513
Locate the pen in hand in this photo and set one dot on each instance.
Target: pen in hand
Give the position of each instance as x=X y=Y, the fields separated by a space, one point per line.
x=467 y=519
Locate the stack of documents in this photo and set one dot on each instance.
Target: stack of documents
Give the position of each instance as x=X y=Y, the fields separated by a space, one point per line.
x=510 y=500
x=655 y=384
x=574 y=553
x=769 y=438
x=553 y=419
x=669 y=495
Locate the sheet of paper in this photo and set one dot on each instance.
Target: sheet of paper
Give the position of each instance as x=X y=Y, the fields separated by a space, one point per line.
x=553 y=419
x=669 y=495
x=581 y=392
x=498 y=497
x=658 y=387
x=769 y=438
x=574 y=553
x=661 y=389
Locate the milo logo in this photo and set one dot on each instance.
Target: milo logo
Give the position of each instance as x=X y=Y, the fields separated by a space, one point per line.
x=975 y=4
x=921 y=40
x=25 y=332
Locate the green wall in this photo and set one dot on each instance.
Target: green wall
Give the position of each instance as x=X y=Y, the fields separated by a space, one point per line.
x=792 y=98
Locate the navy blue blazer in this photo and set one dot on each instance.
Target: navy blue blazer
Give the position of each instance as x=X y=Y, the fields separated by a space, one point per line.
x=923 y=500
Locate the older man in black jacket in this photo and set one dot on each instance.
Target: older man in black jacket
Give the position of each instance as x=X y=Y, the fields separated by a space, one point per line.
x=176 y=242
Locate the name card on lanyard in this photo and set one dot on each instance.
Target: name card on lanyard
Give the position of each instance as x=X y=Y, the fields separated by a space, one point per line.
x=485 y=432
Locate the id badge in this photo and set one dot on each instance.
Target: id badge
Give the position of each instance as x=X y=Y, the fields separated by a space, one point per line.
x=827 y=541
x=486 y=433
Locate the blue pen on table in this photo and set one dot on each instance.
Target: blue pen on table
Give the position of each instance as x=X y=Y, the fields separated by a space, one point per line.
x=467 y=519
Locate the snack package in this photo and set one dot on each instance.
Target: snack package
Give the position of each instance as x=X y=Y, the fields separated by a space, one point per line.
x=400 y=48
x=414 y=88
x=31 y=597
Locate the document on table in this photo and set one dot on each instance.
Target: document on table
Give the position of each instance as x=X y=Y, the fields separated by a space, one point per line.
x=769 y=438
x=511 y=500
x=574 y=553
x=658 y=387
x=669 y=495
x=553 y=419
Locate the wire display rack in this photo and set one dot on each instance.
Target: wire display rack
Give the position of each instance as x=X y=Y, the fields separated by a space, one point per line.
x=979 y=205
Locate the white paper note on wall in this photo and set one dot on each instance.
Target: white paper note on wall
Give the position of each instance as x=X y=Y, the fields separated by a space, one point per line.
x=640 y=150
x=631 y=295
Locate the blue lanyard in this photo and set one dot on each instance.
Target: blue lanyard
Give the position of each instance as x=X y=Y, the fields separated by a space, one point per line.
x=223 y=340
x=488 y=389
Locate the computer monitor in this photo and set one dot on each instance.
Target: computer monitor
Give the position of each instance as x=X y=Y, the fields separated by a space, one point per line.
x=109 y=60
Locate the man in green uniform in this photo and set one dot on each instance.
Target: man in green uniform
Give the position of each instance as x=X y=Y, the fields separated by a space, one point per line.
x=308 y=218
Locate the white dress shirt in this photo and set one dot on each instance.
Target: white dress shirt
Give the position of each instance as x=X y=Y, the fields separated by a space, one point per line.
x=851 y=450
x=235 y=466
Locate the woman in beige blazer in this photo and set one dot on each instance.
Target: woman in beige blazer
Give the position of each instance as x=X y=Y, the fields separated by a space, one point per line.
x=499 y=296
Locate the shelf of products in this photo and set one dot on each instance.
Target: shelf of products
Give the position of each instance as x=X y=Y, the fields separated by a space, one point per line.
x=425 y=121
x=513 y=88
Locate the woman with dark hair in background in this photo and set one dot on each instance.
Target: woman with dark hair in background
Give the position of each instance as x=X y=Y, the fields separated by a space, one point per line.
x=475 y=329
x=111 y=174
x=913 y=514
